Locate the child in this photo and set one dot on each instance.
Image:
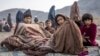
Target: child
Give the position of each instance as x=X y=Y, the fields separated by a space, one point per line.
x=27 y=17
x=41 y=24
x=67 y=38
x=49 y=26
x=89 y=30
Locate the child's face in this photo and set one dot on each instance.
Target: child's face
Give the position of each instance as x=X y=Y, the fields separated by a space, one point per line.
x=41 y=25
x=60 y=20
x=27 y=19
x=48 y=24
x=87 y=22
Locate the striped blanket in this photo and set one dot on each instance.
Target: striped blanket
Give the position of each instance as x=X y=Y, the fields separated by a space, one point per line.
x=28 y=37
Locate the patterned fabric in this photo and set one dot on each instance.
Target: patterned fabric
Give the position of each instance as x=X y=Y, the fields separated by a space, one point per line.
x=27 y=36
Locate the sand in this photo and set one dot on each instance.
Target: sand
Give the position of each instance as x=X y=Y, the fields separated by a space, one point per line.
x=4 y=35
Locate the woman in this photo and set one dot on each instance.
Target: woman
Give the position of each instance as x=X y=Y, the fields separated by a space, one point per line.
x=67 y=38
x=89 y=30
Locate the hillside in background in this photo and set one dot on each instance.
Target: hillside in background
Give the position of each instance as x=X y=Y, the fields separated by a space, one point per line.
x=85 y=6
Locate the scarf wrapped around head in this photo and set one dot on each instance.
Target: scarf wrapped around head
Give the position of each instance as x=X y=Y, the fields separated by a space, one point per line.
x=74 y=13
x=19 y=17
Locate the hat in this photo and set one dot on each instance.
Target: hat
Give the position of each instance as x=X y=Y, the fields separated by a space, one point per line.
x=27 y=13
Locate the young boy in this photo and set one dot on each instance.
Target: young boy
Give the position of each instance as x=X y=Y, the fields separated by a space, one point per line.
x=27 y=17
x=49 y=26
x=89 y=30
x=41 y=24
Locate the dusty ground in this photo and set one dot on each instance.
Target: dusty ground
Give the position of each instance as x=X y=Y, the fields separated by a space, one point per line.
x=4 y=35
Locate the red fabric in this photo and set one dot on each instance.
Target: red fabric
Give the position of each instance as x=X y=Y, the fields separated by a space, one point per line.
x=90 y=32
x=84 y=53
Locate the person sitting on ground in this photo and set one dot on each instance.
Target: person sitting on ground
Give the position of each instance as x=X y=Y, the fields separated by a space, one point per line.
x=7 y=27
x=44 y=30
x=49 y=27
x=28 y=37
x=67 y=38
x=41 y=24
x=89 y=30
x=27 y=19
